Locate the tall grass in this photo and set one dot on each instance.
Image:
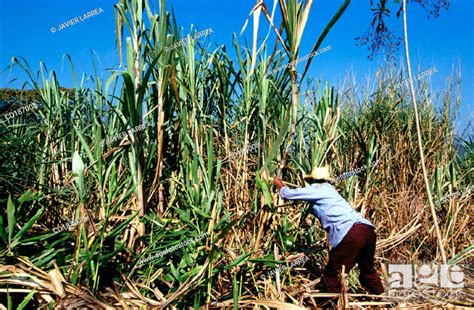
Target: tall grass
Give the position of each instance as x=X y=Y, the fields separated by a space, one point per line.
x=176 y=179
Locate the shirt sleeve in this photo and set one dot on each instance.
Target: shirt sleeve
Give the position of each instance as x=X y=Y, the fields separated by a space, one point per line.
x=306 y=193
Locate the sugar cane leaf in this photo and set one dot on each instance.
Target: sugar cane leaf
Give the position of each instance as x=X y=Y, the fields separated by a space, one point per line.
x=235 y=288
x=117 y=230
x=27 y=226
x=26 y=300
x=11 y=218
x=241 y=259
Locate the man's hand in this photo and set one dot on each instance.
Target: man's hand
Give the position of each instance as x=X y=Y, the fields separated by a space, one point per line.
x=277 y=182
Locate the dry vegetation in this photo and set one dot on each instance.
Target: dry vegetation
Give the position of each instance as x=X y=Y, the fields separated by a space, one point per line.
x=176 y=179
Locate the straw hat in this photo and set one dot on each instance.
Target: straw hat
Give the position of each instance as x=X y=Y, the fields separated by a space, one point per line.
x=318 y=173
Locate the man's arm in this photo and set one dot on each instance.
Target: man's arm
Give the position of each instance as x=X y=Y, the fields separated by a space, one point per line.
x=305 y=193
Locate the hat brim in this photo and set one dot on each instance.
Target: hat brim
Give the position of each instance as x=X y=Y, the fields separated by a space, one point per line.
x=309 y=178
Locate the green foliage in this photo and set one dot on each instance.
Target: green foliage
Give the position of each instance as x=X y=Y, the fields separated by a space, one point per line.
x=202 y=106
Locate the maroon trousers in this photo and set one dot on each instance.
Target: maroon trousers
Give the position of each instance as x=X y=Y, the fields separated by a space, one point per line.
x=358 y=246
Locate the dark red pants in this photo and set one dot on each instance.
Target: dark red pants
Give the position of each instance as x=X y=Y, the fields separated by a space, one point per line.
x=358 y=246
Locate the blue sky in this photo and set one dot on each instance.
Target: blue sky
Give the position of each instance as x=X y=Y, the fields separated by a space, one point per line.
x=445 y=42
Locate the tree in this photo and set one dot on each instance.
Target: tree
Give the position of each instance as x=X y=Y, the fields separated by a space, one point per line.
x=379 y=37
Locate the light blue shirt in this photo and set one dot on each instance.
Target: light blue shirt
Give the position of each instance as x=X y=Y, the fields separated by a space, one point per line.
x=333 y=211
